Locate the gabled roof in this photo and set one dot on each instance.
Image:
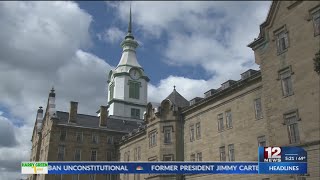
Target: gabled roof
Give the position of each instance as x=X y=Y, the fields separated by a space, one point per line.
x=177 y=99
x=261 y=36
x=89 y=121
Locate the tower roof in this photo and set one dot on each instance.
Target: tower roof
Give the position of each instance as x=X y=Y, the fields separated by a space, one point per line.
x=177 y=99
x=129 y=45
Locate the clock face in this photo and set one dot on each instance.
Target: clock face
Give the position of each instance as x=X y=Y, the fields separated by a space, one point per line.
x=134 y=74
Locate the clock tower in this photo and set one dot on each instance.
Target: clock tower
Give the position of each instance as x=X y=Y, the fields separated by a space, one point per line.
x=127 y=83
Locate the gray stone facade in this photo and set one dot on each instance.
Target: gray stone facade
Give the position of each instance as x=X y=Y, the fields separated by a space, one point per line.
x=279 y=105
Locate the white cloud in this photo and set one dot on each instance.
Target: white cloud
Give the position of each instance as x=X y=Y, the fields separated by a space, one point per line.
x=112 y=35
x=43 y=44
x=211 y=34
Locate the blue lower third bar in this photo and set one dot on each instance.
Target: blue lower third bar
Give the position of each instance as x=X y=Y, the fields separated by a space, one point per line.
x=283 y=168
x=152 y=168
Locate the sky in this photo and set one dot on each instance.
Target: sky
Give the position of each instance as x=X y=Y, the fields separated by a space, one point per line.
x=72 y=46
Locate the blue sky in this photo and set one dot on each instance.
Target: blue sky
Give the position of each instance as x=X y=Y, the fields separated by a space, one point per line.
x=73 y=45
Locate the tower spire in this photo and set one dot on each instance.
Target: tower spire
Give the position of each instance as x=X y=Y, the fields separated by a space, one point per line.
x=130 y=22
x=129 y=34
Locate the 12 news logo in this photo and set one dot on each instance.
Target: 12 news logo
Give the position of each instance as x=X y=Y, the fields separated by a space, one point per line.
x=272 y=154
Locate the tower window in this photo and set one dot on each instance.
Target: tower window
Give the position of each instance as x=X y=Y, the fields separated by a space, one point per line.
x=220 y=122
x=111 y=89
x=222 y=152
x=229 y=119
x=134 y=89
x=167 y=134
x=282 y=41
x=135 y=113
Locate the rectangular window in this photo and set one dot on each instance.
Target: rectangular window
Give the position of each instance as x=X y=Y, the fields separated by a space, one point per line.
x=135 y=113
x=191 y=133
x=93 y=155
x=286 y=81
x=79 y=137
x=92 y=177
x=61 y=151
x=139 y=153
x=222 y=152
x=167 y=134
x=192 y=157
x=134 y=89
x=316 y=22
x=229 y=119
x=77 y=154
x=258 y=108
x=153 y=139
x=231 y=152
x=109 y=156
x=199 y=156
x=291 y=120
x=109 y=139
x=63 y=134
x=282 y=41
x=220 y=122
x=262 y=141
x=168 y=157
x=198 y=130
x=75 y=177
x=111 y=89
x=95 y=138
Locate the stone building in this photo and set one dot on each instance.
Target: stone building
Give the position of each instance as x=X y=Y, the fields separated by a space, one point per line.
x=277 y=105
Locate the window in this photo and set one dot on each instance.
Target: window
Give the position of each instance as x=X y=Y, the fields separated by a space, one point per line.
x=262 y=141
x=192 y=157
x=61 y=150
x=134 y=89
x=222 y=153
x=220 y=122
x=153 y=138
x=231 y=152
x=191 y=133
x=111 y=89
x=92 y=176
x=63 y=134
x=95 y=138
x=168 y=157
x=58 y=177
x=258 y=108
x=286 y=82
x=291 y=120
x=93 y=155
x=109 y=139
x=229 y=119
x=112 y=177
x=316 y=22
x=139 y=153
x=199 y=156
x=79 y=137
x=77 y=154
x=167 y=134
x=198 y=130
x=109 y=156
x=75 y=177
x=282 y=41
x=135 y=113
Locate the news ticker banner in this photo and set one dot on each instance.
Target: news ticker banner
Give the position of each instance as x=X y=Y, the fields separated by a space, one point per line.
x=272 y=160
x=282 y=160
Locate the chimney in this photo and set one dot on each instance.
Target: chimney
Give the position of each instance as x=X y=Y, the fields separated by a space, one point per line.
x=103 y=115
x=52 y=105
x=39 y=119
x=73 y=112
